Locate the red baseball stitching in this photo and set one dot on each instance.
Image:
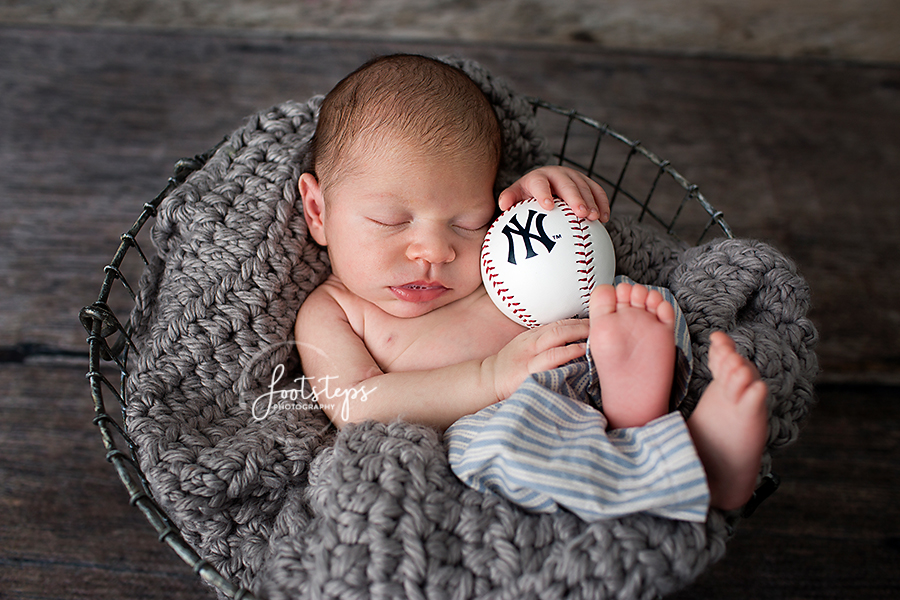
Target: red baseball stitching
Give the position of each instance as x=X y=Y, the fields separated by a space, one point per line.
x=494 y=277
x=585 y=256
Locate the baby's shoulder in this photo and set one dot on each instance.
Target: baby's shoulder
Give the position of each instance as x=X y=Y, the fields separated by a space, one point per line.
x=334 y=290
x=329 y=300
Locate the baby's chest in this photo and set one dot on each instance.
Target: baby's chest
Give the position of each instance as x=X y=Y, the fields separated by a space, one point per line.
x=438 y=340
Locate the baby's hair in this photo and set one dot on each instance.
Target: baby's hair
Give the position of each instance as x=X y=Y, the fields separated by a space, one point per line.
x=424 y=101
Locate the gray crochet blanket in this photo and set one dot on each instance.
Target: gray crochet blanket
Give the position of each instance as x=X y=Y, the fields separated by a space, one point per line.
x=288 y=507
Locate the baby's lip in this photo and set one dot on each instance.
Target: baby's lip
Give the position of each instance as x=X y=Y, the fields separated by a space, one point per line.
x=419 y=291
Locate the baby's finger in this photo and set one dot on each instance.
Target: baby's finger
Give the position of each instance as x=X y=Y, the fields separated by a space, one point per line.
x=540 y=189
x=510 y=197
x=601 y=200
x=582 y=194
x=592 y=212
x=524 y=189
x=569 y=190
x=556 y=357
x=561 y=333
x=589 y=201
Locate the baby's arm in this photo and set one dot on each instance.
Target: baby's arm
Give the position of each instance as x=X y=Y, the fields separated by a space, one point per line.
x=580 y=192
x=332 y=352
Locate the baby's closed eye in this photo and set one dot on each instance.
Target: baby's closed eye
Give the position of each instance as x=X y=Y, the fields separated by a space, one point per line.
x=471 y=227
x=389 y=222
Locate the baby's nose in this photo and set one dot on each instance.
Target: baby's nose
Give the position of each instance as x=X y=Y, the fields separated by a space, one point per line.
x=431 y=248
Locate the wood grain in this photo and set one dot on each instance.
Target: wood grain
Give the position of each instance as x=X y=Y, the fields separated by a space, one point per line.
x=832 y=530
x=805 y=155
x=67 y=530
x=801 y=154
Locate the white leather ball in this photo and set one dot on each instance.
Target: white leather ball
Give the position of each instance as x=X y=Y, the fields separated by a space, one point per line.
x=540 y=266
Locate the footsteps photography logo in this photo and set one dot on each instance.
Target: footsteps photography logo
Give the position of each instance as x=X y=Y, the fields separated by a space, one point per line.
x=272 y=388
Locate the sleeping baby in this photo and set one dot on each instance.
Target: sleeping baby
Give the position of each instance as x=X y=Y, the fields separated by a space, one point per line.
x=400 y=191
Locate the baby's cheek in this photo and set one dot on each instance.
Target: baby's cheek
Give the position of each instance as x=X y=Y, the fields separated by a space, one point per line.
x=469 y=260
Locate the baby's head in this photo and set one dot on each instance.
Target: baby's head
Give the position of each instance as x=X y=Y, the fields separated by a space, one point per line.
x=401 y=184
x=427 y=103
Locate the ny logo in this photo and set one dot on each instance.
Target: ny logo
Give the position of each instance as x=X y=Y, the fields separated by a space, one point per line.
x=527 y=234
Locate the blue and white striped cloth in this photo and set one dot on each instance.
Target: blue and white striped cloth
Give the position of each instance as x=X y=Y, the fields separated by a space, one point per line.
x=547 y=449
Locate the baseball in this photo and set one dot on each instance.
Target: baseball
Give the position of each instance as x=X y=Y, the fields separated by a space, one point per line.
x=540 y=266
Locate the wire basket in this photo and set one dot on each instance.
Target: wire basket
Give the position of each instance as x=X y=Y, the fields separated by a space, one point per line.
x=638 y=183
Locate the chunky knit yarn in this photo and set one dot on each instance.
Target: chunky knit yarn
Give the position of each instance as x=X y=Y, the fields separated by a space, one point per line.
x=290 y=508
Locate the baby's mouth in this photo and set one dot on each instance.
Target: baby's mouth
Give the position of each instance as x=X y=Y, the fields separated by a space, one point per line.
x=419 y=291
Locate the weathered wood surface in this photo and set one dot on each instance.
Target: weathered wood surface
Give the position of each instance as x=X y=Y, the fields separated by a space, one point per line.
x=67 y=530
x=804 y=155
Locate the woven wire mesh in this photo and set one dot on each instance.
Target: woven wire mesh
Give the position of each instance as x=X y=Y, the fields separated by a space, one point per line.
x=635 y=179
x=638 y=182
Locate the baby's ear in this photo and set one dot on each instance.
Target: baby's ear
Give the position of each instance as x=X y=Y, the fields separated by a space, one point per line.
x=313 y=206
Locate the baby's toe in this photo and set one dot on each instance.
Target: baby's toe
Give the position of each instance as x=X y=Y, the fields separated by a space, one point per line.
x=638 y=297
x=603 y=301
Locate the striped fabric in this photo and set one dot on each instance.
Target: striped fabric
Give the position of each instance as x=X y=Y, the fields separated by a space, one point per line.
x=547 y=449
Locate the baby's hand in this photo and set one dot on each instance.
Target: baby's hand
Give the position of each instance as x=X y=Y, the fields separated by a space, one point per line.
x=539 y=349
x=580 y=192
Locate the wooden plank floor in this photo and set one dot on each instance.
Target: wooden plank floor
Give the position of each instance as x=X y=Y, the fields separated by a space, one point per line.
x=804 y=155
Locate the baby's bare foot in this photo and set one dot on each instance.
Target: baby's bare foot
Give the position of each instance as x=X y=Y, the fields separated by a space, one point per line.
x=633 y=347
x=729 y=425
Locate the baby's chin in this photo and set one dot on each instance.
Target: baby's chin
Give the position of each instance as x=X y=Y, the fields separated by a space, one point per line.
x=410 y=310
x=409 y=306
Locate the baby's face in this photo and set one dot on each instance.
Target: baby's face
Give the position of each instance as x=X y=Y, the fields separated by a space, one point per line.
x=404 y=231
